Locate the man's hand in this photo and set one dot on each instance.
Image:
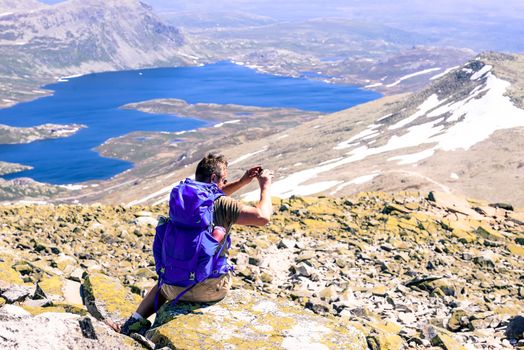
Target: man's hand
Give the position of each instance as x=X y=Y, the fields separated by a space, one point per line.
x=250 y=174
x=245 y=180
x=260 y=214
x=264 y=178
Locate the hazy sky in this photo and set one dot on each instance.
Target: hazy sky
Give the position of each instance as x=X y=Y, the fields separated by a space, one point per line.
x=284 y=9
x=477 y=24
x=308 y=8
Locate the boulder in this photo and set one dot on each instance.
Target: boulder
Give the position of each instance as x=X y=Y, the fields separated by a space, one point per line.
x=246 y=320
x=106 y=298
x=8 y=276
x=12 y=287
x=517 y=218
x=20 y=330
x=459 y=320
x=446 y=342
x=453 y=204
x=488 y=233
x=16 y=293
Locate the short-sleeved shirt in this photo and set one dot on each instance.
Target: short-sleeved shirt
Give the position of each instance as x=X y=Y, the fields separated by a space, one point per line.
x=226 y=212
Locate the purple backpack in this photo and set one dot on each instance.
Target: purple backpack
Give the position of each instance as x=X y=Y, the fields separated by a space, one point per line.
x=184 y=249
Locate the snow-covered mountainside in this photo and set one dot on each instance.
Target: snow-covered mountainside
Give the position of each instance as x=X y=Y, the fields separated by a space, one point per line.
x=463 y=134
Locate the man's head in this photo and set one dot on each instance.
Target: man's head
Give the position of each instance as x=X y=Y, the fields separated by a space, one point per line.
x=212 y=168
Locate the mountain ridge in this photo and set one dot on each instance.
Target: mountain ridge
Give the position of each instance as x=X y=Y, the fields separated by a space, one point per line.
x=80 y=37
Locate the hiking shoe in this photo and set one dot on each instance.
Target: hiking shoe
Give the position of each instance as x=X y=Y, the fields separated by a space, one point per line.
x=134 y=325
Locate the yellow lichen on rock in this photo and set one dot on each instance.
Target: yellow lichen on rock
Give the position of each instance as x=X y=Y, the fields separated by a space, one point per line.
x=489 y=233
x=325 y=209
x=516 y=249
x=107 y=298
x=52 y=286
x=37 y=310
x=8 y=275
x=245 y=320
x=318 y=226
x=447 y=342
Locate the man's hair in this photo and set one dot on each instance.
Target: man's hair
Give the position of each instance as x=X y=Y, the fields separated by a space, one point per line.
x=210 y=164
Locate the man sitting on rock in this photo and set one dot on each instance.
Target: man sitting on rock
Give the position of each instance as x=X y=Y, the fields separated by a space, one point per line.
x=227 y=211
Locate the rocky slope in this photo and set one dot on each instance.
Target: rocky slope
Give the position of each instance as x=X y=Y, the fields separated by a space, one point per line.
x=79 y=37
x=408 y=270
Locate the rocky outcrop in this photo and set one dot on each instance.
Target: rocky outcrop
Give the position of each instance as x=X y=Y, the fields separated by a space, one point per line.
x=106 y=298
x=60 y=331
x=246 y=320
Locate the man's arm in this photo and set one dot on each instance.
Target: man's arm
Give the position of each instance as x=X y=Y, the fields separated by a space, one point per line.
x=246 y=179
x=259 y=215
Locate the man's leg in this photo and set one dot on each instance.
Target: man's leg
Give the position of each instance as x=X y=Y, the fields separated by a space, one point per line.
x=147 y=306
x=138 y=322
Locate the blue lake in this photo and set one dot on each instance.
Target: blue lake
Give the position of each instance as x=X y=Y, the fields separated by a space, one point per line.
x=94 y=100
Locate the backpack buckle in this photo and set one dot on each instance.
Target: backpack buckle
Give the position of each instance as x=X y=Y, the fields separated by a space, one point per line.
x=192 y=276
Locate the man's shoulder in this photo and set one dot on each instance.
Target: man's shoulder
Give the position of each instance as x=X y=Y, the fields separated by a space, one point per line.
x=226 y=201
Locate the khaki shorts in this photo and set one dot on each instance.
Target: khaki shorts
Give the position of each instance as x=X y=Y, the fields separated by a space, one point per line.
x=210 y=290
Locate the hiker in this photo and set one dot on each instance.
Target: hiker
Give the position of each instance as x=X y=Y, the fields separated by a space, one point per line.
x=210 y=175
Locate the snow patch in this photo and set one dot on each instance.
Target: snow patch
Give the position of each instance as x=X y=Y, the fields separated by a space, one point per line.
x=357 y=181
x=228 y=122
x=483 y=71
x=66 y=78
x=412 y=158
x=71 y=187
x=184 y=132
x=373 y=85
x=430 y=103
x=412 y=75
x=384 y=117
x=440 y=75
x=331 y=161
x=364 y=134
x=247 y=156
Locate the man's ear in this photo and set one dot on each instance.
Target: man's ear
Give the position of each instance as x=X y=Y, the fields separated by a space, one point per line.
x=213 y=178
